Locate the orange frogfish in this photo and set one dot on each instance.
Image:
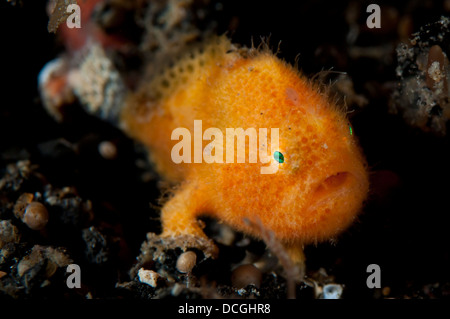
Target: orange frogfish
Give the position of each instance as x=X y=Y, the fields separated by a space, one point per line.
x=245 y=136
x=319 y=178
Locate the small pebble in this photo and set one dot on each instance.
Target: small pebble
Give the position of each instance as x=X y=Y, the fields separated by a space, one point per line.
x=177 y=290
x=386 y=291
x=8 y=234
x=332 y=291
x=148 y=277
x=22 y=203
x=226 y=235
x=107 y=150
x=36 y=216
x=186 y=262
x=435 y=67
x=245 y=275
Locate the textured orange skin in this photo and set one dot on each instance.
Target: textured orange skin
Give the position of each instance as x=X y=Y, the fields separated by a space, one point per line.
x=318 y=190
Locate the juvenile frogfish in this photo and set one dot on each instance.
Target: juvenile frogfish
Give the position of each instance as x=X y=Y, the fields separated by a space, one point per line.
x=320 y=180
x=318 y=176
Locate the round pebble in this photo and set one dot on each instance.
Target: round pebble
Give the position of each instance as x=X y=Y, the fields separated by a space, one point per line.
x=245 y=275
x=186 y=261
x=107 y=150
x=36 y=216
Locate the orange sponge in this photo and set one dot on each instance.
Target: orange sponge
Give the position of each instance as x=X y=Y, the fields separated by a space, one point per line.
x=321 y=179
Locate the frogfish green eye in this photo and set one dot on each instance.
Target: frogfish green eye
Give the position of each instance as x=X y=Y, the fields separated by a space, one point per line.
x=279 y=157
